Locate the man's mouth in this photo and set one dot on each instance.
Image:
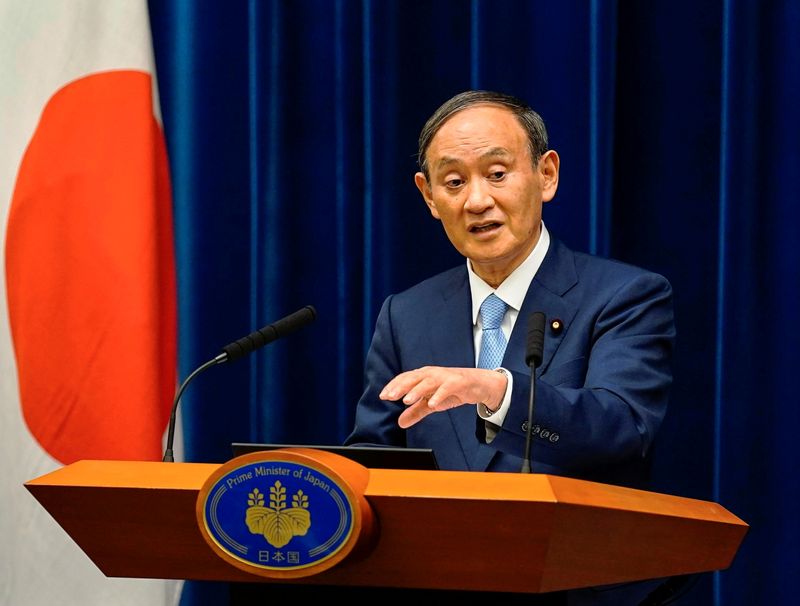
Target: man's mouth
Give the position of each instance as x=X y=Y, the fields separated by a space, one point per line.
x=483 y=227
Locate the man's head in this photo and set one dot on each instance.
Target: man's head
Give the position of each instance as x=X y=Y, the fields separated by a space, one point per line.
x=529 y=120
x=485 y=172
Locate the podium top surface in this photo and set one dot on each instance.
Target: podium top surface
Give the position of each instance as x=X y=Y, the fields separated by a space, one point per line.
x=394 y=483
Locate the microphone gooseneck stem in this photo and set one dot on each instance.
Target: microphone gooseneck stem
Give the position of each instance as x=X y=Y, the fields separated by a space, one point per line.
x=168 y=455
x=526 y=462
x=533 y=358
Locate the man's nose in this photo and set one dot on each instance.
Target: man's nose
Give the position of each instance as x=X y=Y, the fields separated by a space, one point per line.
x=479 y=197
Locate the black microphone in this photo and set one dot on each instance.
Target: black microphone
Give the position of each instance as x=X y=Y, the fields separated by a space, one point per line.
x=533 y=358
x=269 y=333
x=237 y=349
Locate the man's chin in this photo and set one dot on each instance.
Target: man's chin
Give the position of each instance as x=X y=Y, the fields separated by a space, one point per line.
x=487 y=254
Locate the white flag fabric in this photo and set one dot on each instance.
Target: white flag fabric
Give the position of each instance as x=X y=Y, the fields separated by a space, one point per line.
x=87 y=287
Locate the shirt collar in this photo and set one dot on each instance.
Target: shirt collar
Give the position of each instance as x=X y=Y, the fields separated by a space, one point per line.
x=514 y=288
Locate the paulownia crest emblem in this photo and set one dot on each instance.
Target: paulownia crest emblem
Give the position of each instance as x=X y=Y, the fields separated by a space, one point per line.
x=278 y=523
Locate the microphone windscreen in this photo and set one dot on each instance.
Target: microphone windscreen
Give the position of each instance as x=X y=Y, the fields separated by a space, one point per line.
x=295 y=321
x=270 y=333
x=535 y=346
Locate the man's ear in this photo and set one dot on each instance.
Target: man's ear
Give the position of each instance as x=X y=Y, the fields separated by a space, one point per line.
x=427 y=194
x=548 y=167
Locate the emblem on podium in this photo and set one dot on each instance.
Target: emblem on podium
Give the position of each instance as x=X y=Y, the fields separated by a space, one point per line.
x=280 y=513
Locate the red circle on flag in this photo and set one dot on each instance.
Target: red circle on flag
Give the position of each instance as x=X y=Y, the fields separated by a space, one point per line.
x=90 y=273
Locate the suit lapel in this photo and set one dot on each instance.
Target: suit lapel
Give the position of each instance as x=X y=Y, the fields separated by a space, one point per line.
x=450 y=326
x=556 y=276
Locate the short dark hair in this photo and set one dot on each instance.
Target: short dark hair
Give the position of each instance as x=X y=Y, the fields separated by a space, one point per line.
x=528 y=119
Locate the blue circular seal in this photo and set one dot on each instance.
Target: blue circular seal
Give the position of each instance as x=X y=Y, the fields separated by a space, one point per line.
x=277 y=515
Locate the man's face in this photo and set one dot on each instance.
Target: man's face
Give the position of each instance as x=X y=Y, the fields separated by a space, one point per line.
x=485 y=190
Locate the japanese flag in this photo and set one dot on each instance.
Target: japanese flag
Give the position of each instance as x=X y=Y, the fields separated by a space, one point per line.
x=87 y=287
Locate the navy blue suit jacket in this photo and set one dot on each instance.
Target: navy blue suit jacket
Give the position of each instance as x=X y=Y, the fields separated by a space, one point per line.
x=601 y=390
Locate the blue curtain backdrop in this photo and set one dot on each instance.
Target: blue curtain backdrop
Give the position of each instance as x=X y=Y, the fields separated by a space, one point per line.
x=292 y=127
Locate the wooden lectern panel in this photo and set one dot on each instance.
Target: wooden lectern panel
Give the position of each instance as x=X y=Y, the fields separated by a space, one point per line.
x=437 y=529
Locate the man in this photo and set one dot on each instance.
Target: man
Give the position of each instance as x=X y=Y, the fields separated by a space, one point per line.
x=601 y=389
x=447 y=368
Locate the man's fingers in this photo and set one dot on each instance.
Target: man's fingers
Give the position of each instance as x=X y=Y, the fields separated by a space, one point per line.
x=400 y=385
x=442 y=400
x=432 y=388
x=413 y=414
x=408 y=382
x=420 y=391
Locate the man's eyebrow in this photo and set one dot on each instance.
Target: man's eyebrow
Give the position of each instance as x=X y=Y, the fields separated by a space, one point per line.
x=446 y=161
x=494 y=152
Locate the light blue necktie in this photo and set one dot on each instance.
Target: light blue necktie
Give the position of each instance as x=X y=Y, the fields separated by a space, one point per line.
x=493 y=341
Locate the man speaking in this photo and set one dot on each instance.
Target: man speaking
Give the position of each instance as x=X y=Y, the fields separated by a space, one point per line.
x=447 y=368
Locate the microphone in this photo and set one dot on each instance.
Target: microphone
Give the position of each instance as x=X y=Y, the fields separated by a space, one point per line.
x=269 y=333
x=238 y=349
x=533 y=358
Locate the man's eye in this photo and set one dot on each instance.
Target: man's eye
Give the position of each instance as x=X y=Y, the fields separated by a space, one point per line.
x=454 y=182
x=497 y=175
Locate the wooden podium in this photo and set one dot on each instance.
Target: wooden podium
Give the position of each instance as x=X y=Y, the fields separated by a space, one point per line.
x=434 y=529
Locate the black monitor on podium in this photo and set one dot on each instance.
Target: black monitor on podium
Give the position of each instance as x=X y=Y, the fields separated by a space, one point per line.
x=375 y=457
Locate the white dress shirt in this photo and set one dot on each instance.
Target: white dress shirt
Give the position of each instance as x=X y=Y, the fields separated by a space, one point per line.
x=512 y=291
